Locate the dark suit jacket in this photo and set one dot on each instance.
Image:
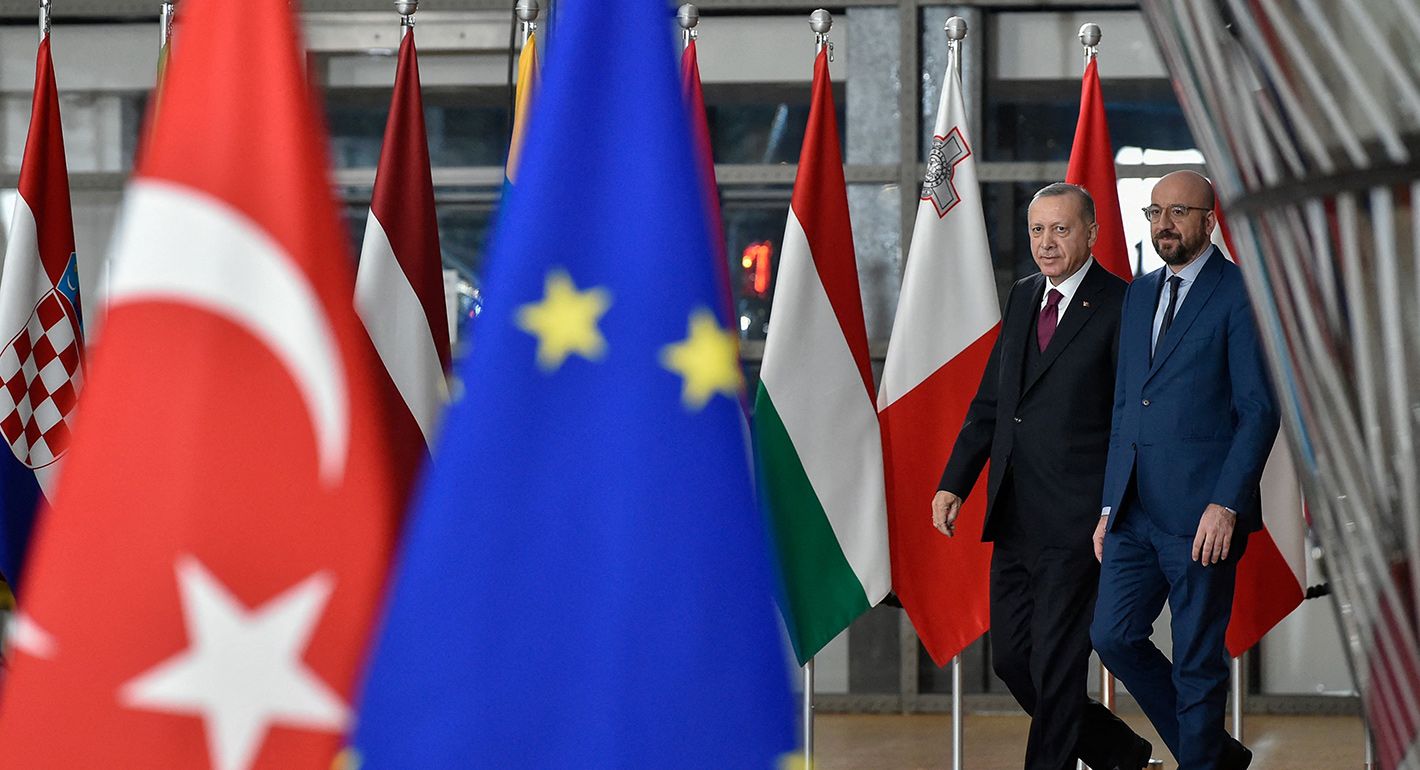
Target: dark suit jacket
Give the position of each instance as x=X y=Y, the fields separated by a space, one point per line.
x=1045 y=425
x=1195 y=426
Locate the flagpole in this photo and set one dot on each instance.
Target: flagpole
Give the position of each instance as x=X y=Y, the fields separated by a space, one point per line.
x=528 y=11
x=688 y=16
x=43 y=20
x=1239 y=697
x=956 y=32
x=809 y=714
x=1090 y=35
x=821 y=22
x=165 y=23
x=406 y=10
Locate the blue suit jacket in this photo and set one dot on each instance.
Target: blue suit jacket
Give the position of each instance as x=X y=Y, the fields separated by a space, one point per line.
x=1196 y=426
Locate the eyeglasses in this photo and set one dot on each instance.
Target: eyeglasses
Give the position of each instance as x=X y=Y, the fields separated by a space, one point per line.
x=1176 y=211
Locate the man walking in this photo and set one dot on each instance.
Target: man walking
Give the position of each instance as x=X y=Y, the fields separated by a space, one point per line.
x=1194 y=420
x=1042 y=416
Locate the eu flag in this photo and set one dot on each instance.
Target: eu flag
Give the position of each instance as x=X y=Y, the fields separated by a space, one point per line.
x=585 y=581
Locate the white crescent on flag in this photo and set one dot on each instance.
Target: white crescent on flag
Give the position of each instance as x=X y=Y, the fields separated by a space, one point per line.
x=176 y=244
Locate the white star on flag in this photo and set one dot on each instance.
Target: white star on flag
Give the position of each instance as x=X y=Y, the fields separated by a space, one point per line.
x=243 y=671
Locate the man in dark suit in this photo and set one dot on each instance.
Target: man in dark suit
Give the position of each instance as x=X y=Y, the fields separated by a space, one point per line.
x=1194 y=420
x=1041 y=415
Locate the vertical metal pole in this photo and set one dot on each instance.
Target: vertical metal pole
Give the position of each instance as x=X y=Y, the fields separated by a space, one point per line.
x=1370 y=745
x=957 y=731
x=43 y=20
x=1239 y=697
x=1106 y=687
x=165 y=23
x=809 y=714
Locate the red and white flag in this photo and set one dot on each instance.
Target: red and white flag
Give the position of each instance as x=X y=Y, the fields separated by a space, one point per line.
x=1272 y=575
x=1092 y=167
x=399 y=288
x=201 y=590
x=948 y=316
x=41 y=334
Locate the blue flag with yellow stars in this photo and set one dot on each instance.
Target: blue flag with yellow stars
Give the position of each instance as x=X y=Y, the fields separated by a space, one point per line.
x=586 y=581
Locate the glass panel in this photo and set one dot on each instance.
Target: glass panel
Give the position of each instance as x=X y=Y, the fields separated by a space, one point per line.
x=1034 y=120
x=466 y=127
x=762 y=122
x=754 y=232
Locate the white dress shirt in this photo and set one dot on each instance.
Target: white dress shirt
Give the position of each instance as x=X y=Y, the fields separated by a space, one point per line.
x=1067 y=289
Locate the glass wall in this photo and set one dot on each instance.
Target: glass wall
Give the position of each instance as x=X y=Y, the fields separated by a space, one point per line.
x=1021 y=74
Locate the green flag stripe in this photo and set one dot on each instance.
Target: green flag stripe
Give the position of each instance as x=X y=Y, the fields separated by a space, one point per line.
x=823 y=593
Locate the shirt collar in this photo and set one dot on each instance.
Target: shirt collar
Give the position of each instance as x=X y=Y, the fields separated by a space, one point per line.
x=1069 y=286
x=1190 y=274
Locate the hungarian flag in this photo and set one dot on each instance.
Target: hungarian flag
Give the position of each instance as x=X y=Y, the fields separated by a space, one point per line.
x=202 y=588
x=1092 y=167
x=399 y=289
x=948 y=317
x=1272 y=575
x=820 y=450
x=41 y=363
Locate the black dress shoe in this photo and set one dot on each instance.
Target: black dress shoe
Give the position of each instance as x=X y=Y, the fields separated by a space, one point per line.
x=1235 y=756
x=1135 y=757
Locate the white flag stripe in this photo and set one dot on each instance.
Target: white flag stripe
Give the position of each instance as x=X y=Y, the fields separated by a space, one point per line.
x=842 y=455
x=22 y=280
x=1283 y=509
x=399 y=328
x=949 y=299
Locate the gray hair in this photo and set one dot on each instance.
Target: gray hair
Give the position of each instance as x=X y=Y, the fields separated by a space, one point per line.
x=1087 y=202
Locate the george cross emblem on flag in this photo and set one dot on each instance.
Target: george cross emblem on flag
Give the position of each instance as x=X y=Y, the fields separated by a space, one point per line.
x=39 y=382
x=947 y=151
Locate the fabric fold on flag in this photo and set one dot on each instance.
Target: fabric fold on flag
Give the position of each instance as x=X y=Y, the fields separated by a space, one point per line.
x=1092 y=167
x=948 y=316
x=585 y=579
x=819 y=448
x=399 y=288
x=41 y=328
x=202 y=587
x=1272 y=575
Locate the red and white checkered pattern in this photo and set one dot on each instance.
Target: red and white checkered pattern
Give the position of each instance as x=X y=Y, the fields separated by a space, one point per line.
x=39 y=383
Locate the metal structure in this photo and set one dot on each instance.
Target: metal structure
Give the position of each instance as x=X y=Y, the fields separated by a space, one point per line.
x=1310 y=120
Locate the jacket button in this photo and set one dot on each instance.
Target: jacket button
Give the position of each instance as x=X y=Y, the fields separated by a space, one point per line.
x=1133 y=447
x=1146 y=402
x=1017 y=419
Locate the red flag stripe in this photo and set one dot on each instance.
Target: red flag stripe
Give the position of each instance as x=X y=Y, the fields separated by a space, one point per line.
x=403 y=197
x=820 y=203
x=44 y=176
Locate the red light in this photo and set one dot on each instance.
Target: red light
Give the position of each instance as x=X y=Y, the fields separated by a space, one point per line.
x=759 y=256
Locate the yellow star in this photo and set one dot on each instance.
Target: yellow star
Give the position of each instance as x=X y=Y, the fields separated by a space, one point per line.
x=708 y=361
x=565 y=321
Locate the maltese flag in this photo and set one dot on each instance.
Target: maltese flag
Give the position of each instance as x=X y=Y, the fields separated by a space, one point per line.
x=41 y=363
x=202 y=587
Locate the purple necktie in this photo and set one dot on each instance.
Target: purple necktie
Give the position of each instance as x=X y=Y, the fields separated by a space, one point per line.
x=1049 y=316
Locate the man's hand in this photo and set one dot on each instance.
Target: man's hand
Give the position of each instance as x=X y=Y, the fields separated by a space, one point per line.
x=945 y=507
x=1099 y=539
x=1215 y=534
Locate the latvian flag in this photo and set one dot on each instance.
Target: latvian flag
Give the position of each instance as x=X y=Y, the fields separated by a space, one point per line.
x=399 y=289
x=41 y=364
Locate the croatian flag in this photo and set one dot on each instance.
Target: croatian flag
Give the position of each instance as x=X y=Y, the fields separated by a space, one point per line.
x=41 y=363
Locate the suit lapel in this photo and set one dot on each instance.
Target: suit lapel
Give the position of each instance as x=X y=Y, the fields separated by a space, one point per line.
x=1185 y=315
x=1080 y=311
x=1018 y=328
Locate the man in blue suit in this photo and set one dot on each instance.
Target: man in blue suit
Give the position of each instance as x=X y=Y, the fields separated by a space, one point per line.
x=1194 y=420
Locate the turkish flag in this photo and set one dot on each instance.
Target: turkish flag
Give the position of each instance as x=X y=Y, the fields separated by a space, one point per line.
x=201 y=591
x=1092 y=167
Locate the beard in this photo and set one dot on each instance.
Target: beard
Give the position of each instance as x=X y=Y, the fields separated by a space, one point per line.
x=1180 y=251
